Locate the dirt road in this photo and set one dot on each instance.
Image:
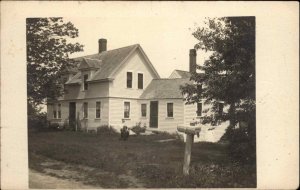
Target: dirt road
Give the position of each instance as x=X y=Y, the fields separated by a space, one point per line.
x=42 y=181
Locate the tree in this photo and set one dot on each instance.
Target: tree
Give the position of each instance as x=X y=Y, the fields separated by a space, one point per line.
x=229 y=73
x=48 y=52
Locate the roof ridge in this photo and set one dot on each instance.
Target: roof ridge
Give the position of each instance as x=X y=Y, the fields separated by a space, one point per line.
x=84 y=57
x=171 y=79
x=123 y=47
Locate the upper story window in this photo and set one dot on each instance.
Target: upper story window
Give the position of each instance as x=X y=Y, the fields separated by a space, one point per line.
x=129 y=79
x=85 y=110
x=170 y=109
x=98 y=109
x=126 y=109
x=199 y=109
x=144 y=110
x=220 y=108
x=85 y=84
x=140 y=80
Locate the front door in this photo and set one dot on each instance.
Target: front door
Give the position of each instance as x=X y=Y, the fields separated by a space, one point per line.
x=153 y=114
x=72 y=114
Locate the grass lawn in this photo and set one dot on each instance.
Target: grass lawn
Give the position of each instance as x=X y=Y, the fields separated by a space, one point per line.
x=140 y=160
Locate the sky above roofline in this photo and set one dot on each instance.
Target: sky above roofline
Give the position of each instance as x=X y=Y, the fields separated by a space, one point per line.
x=165 y=40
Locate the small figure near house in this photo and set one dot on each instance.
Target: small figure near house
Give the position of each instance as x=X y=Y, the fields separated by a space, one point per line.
x=124 y=133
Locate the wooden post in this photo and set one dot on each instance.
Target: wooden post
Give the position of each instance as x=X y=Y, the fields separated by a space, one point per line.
x=77 y=122
x=190 y=132
x=187 y=153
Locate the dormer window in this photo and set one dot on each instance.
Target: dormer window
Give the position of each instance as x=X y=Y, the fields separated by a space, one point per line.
x=85 y=84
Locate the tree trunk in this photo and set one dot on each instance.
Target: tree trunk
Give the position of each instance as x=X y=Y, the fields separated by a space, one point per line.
x=231 y=113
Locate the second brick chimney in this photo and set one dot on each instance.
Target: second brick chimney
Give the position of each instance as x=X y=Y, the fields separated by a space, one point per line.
x=102 y=45
x=193 y=56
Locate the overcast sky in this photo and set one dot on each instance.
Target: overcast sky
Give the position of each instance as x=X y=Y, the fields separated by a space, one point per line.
x=165 y=39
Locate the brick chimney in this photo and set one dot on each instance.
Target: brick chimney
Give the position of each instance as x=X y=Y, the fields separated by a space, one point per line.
x=193 y=56
x=102 y=45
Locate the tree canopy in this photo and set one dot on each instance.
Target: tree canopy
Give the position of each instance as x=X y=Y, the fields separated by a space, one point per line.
x=48 y=52
x=229 y=73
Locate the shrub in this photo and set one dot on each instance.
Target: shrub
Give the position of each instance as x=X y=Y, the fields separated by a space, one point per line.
x=37 y=121
x=55 y=127
x=242 y=143
x=106 y=129
x=137 y=129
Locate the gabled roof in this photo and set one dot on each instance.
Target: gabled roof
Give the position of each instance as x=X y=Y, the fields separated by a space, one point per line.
x=180 y=73
x=88 y=63
x=165 y=88
x=75 y=79
x=110 y=61
x=69 y=70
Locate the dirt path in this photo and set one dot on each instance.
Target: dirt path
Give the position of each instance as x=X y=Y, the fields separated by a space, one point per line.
x=49 y=173
x=42 y=181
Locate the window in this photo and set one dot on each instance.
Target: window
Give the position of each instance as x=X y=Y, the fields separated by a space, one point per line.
x=85 y=84
x=59 y=111
x=220 y=109
x=85 y=110
x=98 y=108
x=199 y=109
x=129 y=79
x=144 y=110
x=170 y=109
x=54 y=111
x=126 y=109
x=140 y=80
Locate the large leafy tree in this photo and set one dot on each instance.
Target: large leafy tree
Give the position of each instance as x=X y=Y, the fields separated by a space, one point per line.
x=48 y=49
x=229 y=73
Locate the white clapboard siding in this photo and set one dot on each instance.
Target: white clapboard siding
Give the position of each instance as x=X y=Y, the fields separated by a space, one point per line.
x=95 y=90
x=190 y=114
x=144 y=120
x=170 y=124
x=92 y=122
x=64 y=113
x=136 y=64
x=116 y=113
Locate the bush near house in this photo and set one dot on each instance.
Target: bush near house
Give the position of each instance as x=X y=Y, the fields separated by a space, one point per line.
x=106 y=130
x=137 y=129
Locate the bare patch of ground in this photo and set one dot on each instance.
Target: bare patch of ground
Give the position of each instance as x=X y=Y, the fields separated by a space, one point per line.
x=58 y=174
x=39 y=180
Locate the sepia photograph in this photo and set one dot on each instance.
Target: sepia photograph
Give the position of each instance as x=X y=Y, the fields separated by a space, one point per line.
x=123 y=95
x=113 y=119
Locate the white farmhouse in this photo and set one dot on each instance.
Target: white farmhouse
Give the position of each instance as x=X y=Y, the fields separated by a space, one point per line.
x=121 y=87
